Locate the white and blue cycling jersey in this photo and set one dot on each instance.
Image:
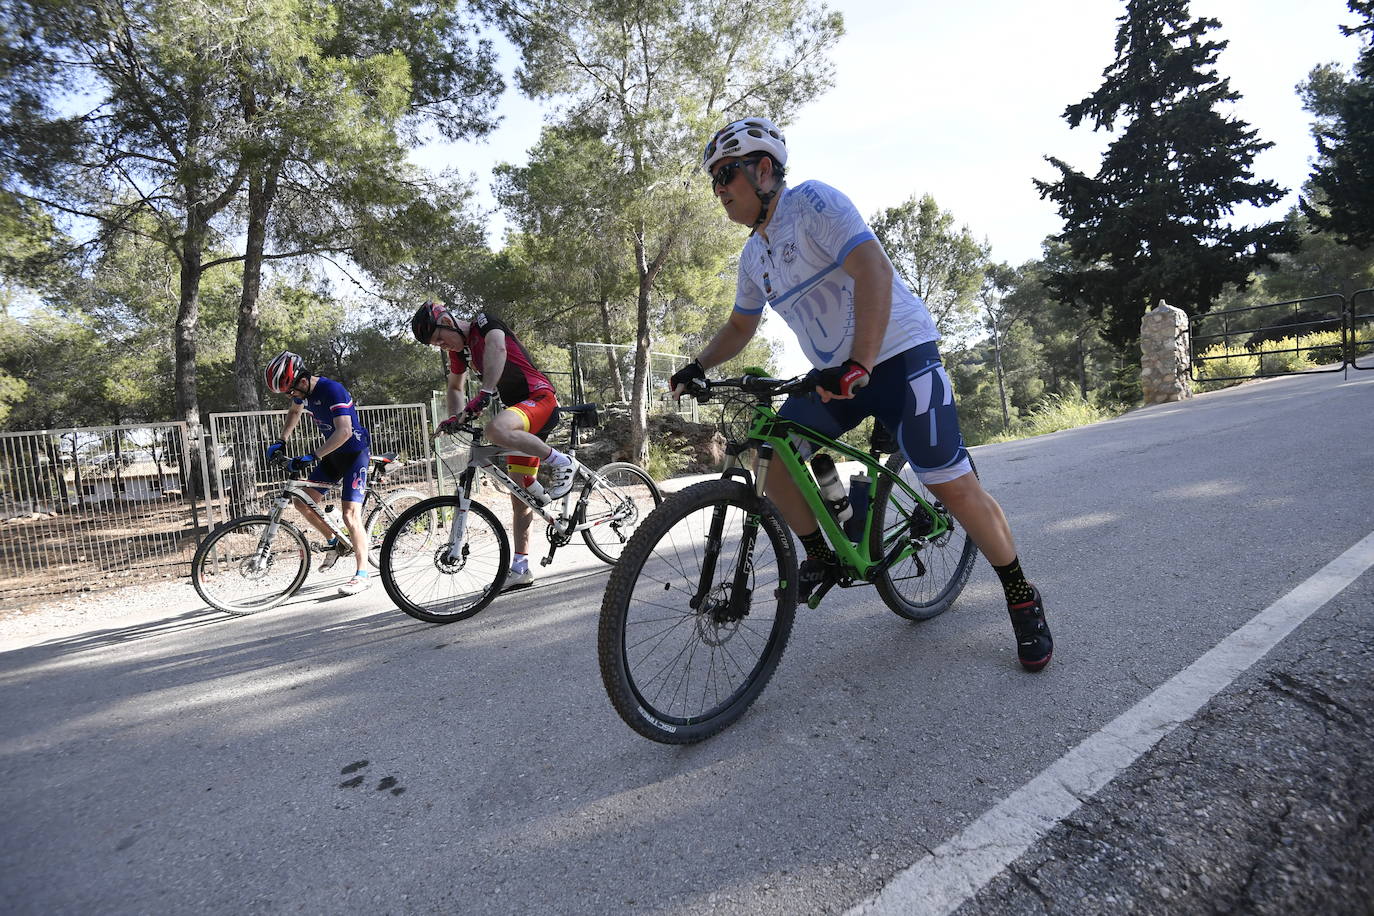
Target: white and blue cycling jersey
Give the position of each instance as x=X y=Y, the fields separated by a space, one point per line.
x=797 y=271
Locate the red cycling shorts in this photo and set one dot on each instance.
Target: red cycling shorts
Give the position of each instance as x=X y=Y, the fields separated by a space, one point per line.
x=535 y=412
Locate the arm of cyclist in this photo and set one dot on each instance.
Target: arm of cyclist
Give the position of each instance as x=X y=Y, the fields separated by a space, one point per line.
x=737 y=331
x=871 y=271
x=453 y=398
x=343 y=431
x=293 y=416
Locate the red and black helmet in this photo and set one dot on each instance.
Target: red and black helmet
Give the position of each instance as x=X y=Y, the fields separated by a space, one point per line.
x=426 y=319
x=284 y=371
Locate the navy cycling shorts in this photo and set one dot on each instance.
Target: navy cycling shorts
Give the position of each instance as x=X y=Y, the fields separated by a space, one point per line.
x=911 y=395
x=346 y=468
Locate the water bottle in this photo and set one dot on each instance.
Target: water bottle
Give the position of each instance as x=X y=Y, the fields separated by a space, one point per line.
x=832 y=491
x=331 y=515
x=536 y=489
x=858 y=501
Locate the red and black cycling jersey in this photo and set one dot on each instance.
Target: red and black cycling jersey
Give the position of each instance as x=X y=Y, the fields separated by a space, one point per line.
x=519 y=379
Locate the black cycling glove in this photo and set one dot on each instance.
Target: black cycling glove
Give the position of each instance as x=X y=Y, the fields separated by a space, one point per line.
x=686 y=375
x=843 y=380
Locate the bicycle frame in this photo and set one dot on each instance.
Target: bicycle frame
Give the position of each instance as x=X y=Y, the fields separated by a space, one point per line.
x=299 y=489
x=489 y=459
x=771 y=436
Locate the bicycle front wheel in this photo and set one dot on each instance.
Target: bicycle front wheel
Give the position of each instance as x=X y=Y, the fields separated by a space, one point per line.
x=926 y=583
x=618 y=498
x=386 y=509
x=440 y=575
x=697 y=612
x=236 y=570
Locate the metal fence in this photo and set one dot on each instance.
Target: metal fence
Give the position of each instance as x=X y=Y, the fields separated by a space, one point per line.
x=1312 y=334
x=604 y=373
x=80 y=507
x=244 y=483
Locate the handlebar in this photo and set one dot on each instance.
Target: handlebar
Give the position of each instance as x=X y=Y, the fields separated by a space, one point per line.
x=282 y=460
x=760 y=385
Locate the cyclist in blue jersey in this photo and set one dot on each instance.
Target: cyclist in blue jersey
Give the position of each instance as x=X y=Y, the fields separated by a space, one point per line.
x=342 y=458
x=812 y=259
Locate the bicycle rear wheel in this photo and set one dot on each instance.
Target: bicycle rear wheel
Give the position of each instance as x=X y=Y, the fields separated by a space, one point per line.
x=234 y=571
x=424 y=580
x=616 y=505
x=679 y=673
x=924 y=584
x=385 y=510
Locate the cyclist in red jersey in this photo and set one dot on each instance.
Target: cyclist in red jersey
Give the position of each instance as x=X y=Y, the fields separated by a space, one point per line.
x=488 y=345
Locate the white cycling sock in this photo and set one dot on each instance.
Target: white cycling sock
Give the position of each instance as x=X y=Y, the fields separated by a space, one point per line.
x=557 y=458
x=520 y=562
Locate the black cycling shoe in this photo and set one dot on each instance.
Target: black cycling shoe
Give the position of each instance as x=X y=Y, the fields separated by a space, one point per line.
x=812 y=574
x=1034 y=645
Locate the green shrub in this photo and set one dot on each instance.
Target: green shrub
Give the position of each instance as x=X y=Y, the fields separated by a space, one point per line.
x=1060 y=411
x=1216 y=366
x=1277 y=357
x=664 y=461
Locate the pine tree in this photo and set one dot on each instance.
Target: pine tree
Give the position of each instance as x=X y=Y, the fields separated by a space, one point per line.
x=1151 y=224
x=1342 y=183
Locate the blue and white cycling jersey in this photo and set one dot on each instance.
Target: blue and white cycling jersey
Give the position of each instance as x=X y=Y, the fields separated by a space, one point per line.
x=797 y=272
x=328 y=400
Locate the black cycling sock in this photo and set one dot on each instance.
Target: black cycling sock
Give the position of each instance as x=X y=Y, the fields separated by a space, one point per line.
x=816 y=547
x=1014 y=582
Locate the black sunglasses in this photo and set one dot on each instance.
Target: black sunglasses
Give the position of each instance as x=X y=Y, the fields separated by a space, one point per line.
x=726 y=173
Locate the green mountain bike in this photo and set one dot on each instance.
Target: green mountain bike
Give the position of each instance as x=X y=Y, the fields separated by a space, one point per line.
x=698 y=611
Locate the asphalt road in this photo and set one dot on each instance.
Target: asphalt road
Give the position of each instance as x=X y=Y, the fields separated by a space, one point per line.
x=337 y=756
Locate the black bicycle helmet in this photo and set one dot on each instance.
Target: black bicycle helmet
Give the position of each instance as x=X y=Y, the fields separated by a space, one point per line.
x=425 y=320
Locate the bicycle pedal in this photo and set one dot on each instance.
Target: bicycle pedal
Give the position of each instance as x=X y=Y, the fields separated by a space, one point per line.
x=820 y=592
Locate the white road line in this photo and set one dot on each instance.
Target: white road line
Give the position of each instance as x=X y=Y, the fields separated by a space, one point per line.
x=942 y=881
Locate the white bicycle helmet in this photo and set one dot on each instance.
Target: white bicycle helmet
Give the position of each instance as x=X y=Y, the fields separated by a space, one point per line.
x=742 y=138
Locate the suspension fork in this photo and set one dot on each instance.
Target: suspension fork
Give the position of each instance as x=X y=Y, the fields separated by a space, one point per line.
x=273 y=523
x=458 y=530
x=740 y=593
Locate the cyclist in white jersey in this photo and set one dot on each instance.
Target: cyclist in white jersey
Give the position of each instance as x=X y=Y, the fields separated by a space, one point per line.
x=813 y=260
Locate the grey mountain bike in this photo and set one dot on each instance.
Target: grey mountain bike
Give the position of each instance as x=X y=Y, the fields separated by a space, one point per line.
x=447 y=558
x=255 y=562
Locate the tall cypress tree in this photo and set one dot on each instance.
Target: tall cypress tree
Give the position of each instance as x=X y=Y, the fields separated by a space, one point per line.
x=1342 y=202
x=1151 y=224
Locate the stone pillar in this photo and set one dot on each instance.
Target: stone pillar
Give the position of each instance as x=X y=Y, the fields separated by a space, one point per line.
x=1164 y=357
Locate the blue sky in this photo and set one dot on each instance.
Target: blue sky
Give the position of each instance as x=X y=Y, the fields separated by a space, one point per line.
x=963 y=101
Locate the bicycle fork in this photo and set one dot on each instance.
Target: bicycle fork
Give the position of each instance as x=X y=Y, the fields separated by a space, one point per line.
x=741 y=593
x=457 y=532
x=264 y=555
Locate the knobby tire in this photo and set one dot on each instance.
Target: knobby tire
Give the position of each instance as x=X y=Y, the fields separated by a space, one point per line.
x=221 y=570
x=675 y=674
x=420 y=580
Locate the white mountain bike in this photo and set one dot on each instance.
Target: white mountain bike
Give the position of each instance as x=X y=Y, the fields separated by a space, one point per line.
x=446 y=558
x=255 y=562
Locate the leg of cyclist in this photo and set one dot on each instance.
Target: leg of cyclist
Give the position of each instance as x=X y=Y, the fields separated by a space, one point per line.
x=927 y=429
x=512 y=429
x=515 y=427
x=354 y=482
x=309 y=515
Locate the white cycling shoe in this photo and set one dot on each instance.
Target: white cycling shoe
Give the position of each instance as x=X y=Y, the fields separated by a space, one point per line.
x=520 y=579
x=359 y=582
x=561 y=478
